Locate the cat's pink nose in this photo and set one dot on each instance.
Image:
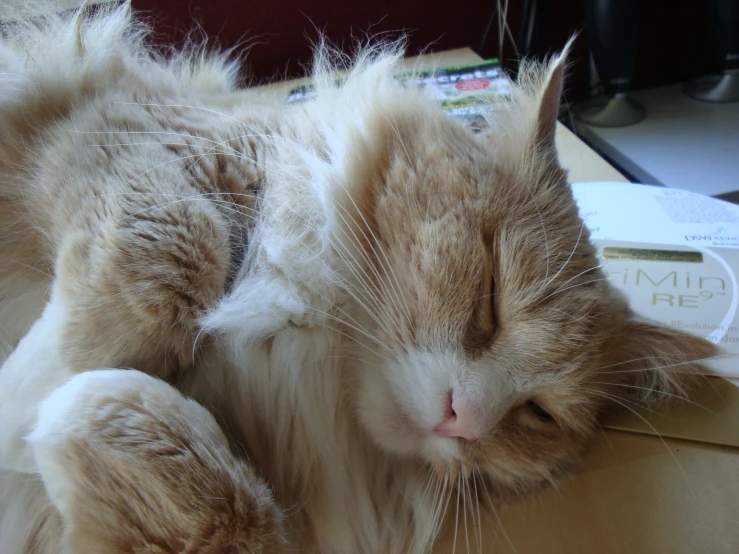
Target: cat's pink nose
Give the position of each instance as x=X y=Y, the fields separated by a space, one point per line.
x=459 y=422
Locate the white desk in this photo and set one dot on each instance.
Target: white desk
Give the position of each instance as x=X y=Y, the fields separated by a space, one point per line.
x=682 y=143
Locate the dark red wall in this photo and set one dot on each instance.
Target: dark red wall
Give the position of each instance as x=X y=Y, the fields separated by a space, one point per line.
x=674 y=41
x=279 y=32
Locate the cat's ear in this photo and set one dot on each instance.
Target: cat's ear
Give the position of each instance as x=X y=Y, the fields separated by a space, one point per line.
x=651 y=360
x=549 y=96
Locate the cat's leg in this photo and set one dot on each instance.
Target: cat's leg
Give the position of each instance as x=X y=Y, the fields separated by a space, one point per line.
x=133 y=466
x=28 y=375
x=128 y=291
x=137 y=286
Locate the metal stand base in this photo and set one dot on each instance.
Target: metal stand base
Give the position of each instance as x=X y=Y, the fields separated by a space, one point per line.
x=619 y=111
x=715 y=88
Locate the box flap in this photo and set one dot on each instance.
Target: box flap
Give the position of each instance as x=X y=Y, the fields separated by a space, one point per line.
x=711 y=416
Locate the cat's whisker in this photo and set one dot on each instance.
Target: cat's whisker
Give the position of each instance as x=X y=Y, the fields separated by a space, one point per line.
x=352 y=292
x=345 y=357
x=106 y=300
x=194 y=196
x=195 y=342
x=435 y=502
x=456 y=516
x=667 y=366
x=295 y=508
x=495 y=512
x=657 y=391
x=153 y=209
x=449 y=492
x=593 y=268
x=372 y=246
x=561 y=269
x=477 y=506
x=546 y=245
x=157 y=142
x=610 y=444
x=198 y=156
x=27 y=266
x=558 y=291
x=157 y=166
x=611 y=396
x=211 y=150
x=428 y=482
x=563 y=313
x=207 y=152
x=375 y=310
x=661 y=438
x=365 y=280
x=376 y=242
x=394 y=126
x=706 y=376
x=358 y=330
x=208 y=110
x=437 y=509
x=205 y=329
x=465 y=500
x=367 y=299
x=155 y=133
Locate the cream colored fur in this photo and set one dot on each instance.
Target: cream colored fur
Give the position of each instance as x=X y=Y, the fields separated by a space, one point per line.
x=288 y=296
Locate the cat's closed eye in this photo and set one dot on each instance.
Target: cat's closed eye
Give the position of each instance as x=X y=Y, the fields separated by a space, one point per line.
x=493 y=304
x=539 y=412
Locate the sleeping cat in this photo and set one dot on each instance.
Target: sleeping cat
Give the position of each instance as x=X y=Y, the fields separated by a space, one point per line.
x=233 y=325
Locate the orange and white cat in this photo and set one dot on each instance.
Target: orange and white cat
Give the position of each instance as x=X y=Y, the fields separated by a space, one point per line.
x=235 y=325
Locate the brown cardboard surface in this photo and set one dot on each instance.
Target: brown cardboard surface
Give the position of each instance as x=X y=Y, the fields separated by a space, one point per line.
x=710 y=415
x=634 y=494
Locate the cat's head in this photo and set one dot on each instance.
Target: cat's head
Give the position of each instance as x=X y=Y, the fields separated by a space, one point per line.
x=497 y=340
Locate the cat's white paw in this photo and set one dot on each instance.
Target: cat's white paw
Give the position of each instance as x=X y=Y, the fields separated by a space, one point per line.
x=128 y=460
x=66 y=416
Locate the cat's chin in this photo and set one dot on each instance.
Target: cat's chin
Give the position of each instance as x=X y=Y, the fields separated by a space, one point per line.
x=396 y=431
x=441 y=453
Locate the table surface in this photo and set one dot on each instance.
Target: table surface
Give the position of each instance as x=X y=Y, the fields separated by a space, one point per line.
x=682 y=143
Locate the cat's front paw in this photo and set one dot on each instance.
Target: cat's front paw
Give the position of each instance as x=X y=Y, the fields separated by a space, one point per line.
x=132 y=465
x=137 y=290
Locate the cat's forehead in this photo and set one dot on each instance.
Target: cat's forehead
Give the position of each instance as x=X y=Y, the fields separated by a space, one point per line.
x=442 y=168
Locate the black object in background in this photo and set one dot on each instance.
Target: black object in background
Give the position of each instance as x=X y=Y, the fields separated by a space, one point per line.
x=723 y=22
x=613 y=27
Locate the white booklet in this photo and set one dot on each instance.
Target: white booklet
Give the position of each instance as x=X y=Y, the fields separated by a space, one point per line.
x=675 y=254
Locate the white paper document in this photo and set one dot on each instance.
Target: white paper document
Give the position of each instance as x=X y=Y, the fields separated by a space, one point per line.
x=675 y=254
